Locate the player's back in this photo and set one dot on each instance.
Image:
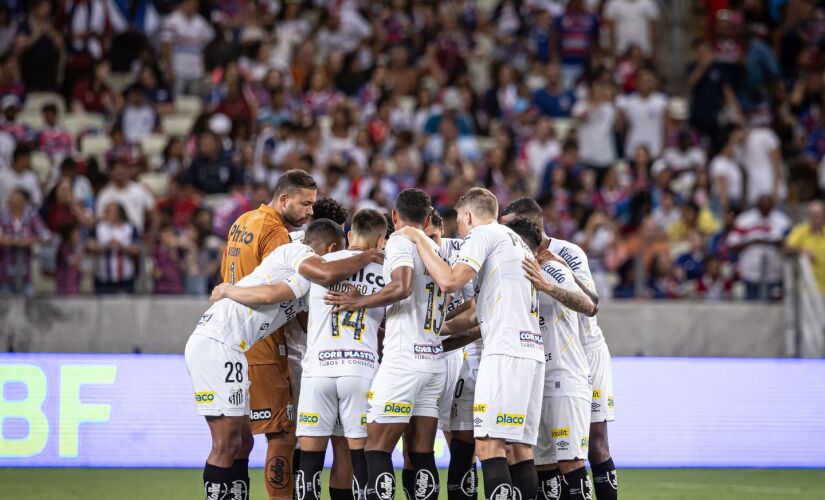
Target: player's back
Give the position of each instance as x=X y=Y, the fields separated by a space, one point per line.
x=240 y=326
x=248 y=240
x=506 y=301
x=590 y=333
x=411 y=338
x=567 y=369
x=343 y=343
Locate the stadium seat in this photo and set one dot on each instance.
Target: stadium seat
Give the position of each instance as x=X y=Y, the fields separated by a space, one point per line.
x=562 y=127
x=188 y=105
x=95 y=146
x=35 y=101
x=157 y=182
x=41 y=165
x=152 y=147
x=177 y=125
x=77 y=123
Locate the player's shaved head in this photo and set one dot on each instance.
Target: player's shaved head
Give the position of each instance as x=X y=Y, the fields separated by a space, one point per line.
x=321 y=234
x=413 y=205
x=522 y=207
x=480 y=202
x=327 y=208
x=528 y=230
x=369 y=224
x=293 y=180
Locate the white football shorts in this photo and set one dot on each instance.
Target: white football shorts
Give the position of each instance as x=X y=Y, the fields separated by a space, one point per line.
x=564 y=430
x=601 y=382
x=454 y=361
x=326 y=399
x=465 y=389
x=398 y=394
x=219 y=377
x=508 y=397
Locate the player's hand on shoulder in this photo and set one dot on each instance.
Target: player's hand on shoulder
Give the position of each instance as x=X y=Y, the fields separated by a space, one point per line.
x=410 y=233
x=348 y=300
x=219 y=292
x=534 y=273
x=377 y=255
x=546 y=255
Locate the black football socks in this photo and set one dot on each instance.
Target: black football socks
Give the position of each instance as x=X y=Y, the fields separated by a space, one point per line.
x=218 y=482
x=408 y=482
x=576 y=485
x=605 y=480
x=549 y=484
x=380 y=476
x=359 y=474
x=240 y=472
x=498 y=484
x=426 y=482
x=308 y=484
x=525 y=480
x=461 y=474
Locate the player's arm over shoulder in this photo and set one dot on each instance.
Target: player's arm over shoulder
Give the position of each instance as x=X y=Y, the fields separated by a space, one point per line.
x=289 y=289
x=565 y=289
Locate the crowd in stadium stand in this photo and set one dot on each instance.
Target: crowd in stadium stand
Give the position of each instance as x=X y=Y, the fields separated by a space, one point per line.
x=171 y=118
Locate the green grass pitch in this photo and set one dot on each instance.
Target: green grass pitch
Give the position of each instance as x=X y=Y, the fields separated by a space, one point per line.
x=636 y=484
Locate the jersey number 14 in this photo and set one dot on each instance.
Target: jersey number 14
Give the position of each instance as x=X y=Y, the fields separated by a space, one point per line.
x=351 y=320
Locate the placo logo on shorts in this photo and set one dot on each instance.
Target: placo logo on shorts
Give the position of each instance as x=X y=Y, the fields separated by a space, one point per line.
x=204 y=397
x=308 y=418
x=393 y=408
x=560 y=432
x=610 y=401
x=370 y=395
x=531 y=339
x=479 y=408
x=510 y=419
x=597 y=393
x=585 y=442
x=363 y=419
x=260 y=414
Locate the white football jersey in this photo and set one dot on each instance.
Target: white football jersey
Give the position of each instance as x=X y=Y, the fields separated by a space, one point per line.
x=341 y=344
x=450 y=248
x=506 y=301
x=240 y=326
x=566 y=371
x=589 y=331
x=411 y=333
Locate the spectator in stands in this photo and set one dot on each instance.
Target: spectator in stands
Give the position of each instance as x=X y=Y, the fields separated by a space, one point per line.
x=690 y=263
x=53 y=139
x=21 y=132
x=596 y=121
x=81 y=187
x=692 y=217
x=8 y=30
x=808 y=238
x=684 y=160
x=138 y=118
x=132 y=197
x=662 y=282
x=168 y=261
x=185 y=35
x=726 y=175
x=115 y=247
x=715 y=283
x=134 y=23
x=63 y=209
x=342 y=29
x=159 y=94
x=757 y=237
x=20 y=176
x=202 y=256
x=10 y=82
x=760 y=154
x=568 y=160
x=542 y=148
x=70 y=255
x=632 y=23
x=554 y=100
x=180 y=201
x=210 y=171
x=40 y=47
x=20 y=229
x=576 y=34
x=93 y=95
x=644 y=113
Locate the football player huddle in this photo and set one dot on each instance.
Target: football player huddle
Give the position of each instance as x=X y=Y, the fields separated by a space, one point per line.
x=392 y=331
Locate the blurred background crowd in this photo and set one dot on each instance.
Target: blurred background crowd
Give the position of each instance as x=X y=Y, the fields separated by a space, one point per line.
x=680 y=143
